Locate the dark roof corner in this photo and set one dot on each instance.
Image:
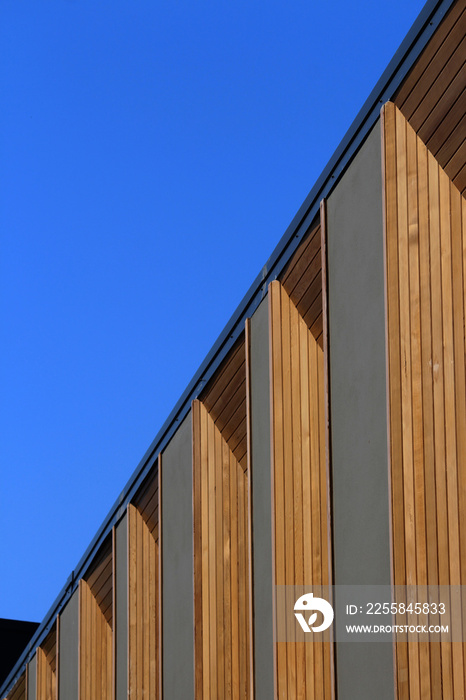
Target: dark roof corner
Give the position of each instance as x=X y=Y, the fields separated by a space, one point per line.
x=14 y=638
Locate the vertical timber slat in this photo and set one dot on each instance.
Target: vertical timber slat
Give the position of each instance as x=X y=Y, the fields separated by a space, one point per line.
x=221 y=562
x=300 y=485
x=426 y=343
x=144 y=594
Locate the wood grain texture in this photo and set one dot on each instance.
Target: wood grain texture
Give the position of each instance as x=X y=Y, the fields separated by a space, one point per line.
x=225 y=399
x=302 y=280
x=433 y=95
x=95 y=648
x=144 y=652
x=46 y=683
x=221 y=564
x=425 y=243
x=299 y=474
x=100 y=579
x=19 y=690
x=147 y=500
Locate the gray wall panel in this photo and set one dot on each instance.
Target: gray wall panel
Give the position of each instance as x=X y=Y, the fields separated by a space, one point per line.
x=178 y=565
x=121 y=612
x=261 y=503
x=359 y=405
x=69 y=651
x=32 y=675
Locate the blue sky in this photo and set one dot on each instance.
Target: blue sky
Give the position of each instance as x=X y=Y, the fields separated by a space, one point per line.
x=151 y=156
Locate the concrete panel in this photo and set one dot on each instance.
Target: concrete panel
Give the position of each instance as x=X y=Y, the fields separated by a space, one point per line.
x=121 y=612
x=261 y=504
x=32 y=676
x=68 y=658
x=359 y=405
x=178 y=565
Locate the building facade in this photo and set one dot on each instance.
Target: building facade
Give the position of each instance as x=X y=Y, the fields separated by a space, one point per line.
x=322 y=442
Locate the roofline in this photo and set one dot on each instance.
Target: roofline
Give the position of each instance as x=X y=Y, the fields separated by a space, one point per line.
x=411 y=47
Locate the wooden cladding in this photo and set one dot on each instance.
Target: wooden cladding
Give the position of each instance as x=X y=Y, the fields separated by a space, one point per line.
x=143 y=605
x=19 y=690
x=300 y=515
x=221 y=566
x=46 y=655
x=95 y=628
x=302 y=280
x=96 y=671
x=433 y=96
x=100 y=580
x=225 y=399
x=147 y=502
x=95 y=648
x=426 y=295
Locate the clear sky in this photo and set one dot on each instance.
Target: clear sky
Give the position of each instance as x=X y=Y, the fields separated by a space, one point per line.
x=152 y=154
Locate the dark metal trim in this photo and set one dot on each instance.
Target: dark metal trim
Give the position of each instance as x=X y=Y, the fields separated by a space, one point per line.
x=423 y=28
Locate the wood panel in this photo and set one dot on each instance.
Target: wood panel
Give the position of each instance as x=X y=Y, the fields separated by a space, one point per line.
x=19 y=690
x=147 y=501
x=47 y=668
x=299 y=475
x=225 y=399
x=95 y=648
x=425 y=219
x=302 y=280
x=100 y=579
x=221 y=578
x=433 y=95
x=143 y=608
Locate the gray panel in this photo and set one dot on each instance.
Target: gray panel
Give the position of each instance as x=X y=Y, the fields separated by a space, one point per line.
x=69 y=650
x=358 y=409
x=178 y=565
x=261 y=504
x=121 y=612
x=32 y=675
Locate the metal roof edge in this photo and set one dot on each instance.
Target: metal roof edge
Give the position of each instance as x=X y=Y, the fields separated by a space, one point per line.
x=404 y=58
